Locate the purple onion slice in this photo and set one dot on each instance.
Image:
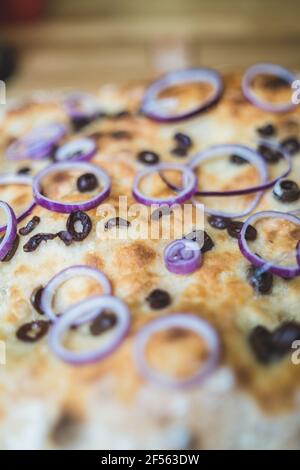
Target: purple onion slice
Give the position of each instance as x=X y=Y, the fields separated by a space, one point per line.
x=37 y=144
x=267 y=69
x=162 y=110
x=49 y=291
x=80 y=105
x=278 y=270
x=68 y=207
x=89 y=309
x=183 y=256
x=11 y=178
x=183 y=321
x=7 y=241
x=183 y=194
x=248 y=154
x=76 y=150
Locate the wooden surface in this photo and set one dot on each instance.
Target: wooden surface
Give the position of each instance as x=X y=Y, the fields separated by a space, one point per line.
x=85 y=44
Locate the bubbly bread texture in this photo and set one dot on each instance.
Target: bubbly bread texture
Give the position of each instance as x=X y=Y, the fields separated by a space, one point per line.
x=45 y=403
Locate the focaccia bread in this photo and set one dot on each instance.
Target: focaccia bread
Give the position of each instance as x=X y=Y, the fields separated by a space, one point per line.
x=250 y=400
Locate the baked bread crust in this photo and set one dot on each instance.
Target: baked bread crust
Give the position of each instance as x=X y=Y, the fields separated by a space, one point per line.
x=48 y=404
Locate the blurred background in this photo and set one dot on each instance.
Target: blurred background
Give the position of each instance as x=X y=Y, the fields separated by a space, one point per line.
x=50 y=44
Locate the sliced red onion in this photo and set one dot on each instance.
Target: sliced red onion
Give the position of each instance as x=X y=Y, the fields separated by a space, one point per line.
x=267 y=69
x=51 y=132
x=68 y=207
x=22 y=150
x=11 y=178
x=7 y=241
x=183 y=256
x=37 y=144
x=49 y=291
x=162 y=110
x=248 y=154
x=253 y=157
x=76 y=150
x=242 y=151
x=179 y=320
x=185 y=193
x=89 y=309
x=278 y=270
x=80 y=105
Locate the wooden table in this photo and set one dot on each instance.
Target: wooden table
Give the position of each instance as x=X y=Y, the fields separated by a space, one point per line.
x=87 y=52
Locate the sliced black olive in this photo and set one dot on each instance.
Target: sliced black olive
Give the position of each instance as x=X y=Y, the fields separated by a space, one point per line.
x=234 y=228
x=116 y=222
x=86 y=225
x=35 y=299
x=266 y=131
x=158 y=299
x=261 y=343
x=148 y=157
x=183 y=140
x=262 y=282
x=103 y=322
x=272 y=346
x=33 y=331
x=291 y=145
x=65 y=236
x=121 y=114
x=286 y=191
x=180 y=151
x=201 y=237
x=34 y=242
x=24 y=170
x=120 y=135
x=87 y=182
x=12 y=251
x=218 y=222
x=269 y=154
x=238 y=160
x=31 y=225
x=79 y=122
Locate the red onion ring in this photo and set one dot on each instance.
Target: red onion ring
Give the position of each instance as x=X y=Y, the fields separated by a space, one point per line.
x=68 y=207
x=251 y=156
x=37 y=144
x=76 y=150
x=80 y=105
x=278 y=270
x=183 y=194
x=7 y=241
x=152 y=108
x=49 y=291
x=89 y=309
x=184 y=321
x=245 y=152
x=268 y=69
x=11 y=178
x=183 y=256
